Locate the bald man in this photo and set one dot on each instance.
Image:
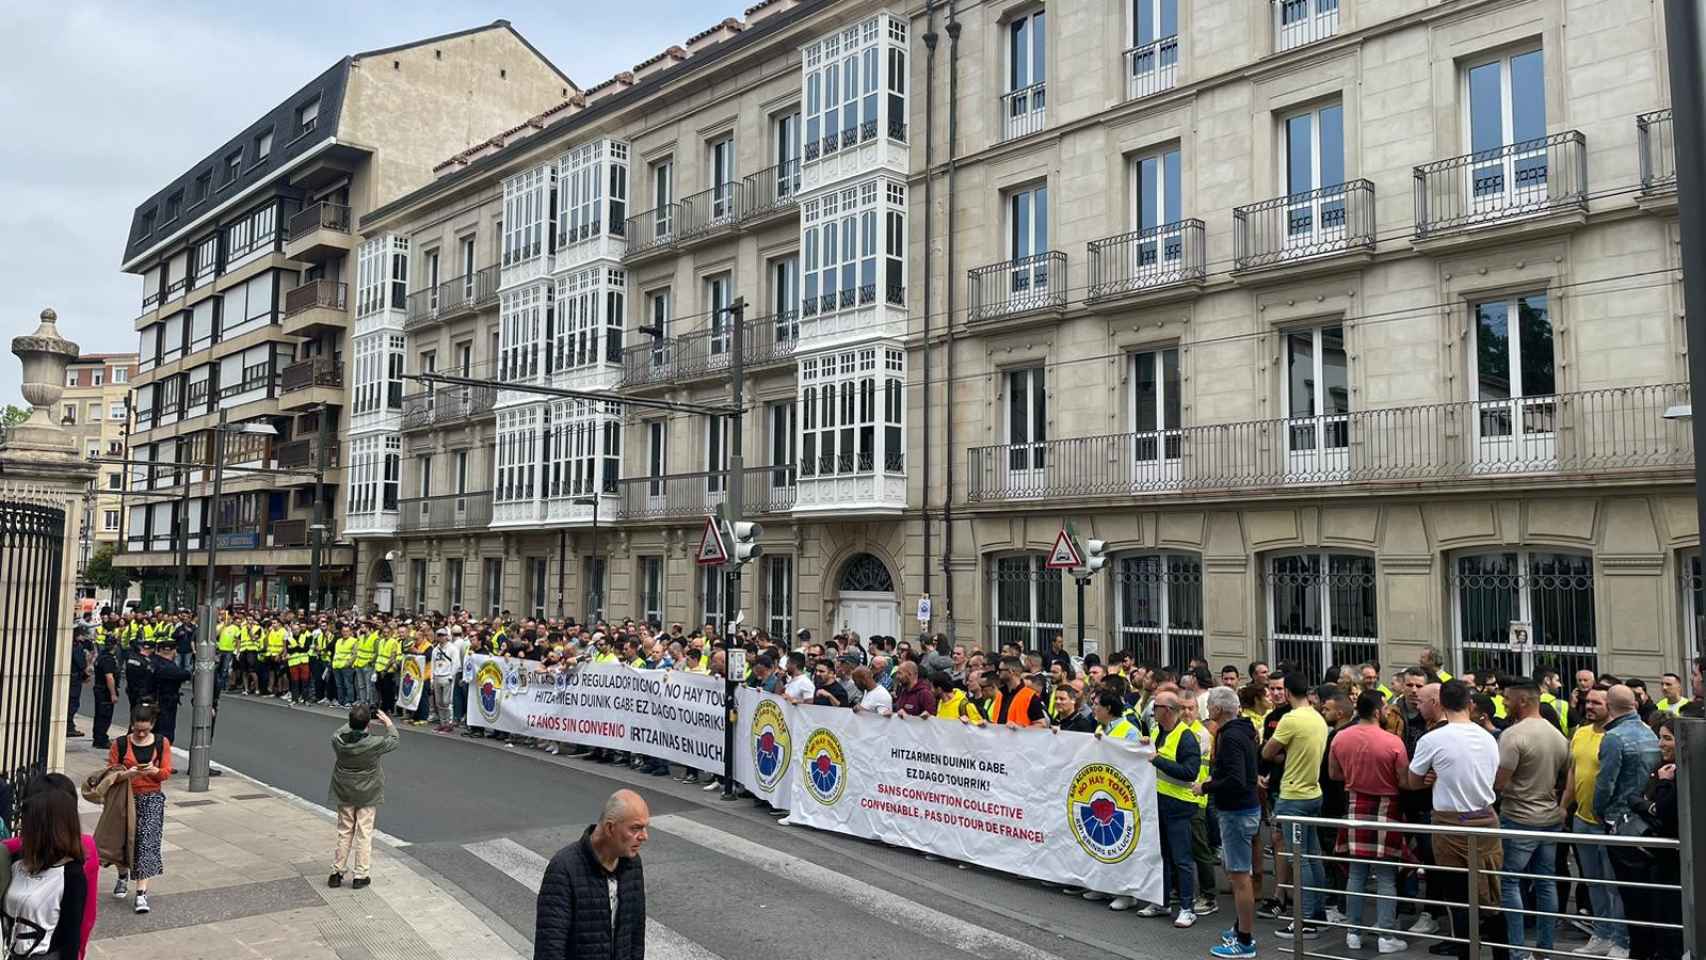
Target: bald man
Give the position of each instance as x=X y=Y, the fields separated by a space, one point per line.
x=589 y=882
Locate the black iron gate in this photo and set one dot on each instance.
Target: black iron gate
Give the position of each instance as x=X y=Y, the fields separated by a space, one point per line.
x=32 y=543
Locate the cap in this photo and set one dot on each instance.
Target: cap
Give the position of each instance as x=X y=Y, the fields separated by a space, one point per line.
x=804 y=634
x=442 y=632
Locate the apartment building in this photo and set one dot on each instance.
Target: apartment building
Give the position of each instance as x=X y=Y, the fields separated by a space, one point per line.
x=1351 y=327
x=600 y=247
x=246 y=259
x=94 y=410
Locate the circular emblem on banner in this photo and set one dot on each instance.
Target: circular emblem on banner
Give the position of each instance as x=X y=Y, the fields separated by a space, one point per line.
x=488 y=687
x=826 y=767
x=771 y=744
x=410 y=680
x=1101 y=805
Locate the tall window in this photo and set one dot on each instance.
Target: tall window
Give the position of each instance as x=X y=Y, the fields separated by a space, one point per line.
x=720 y=164
x=460 y=480
x=785 y=136
x=1317 y=401
x=592 y=578
x=840 y=243
x=1027 y=73
x=657 y=456
x=1028 y=601
x=779 y=597
x=1027 y=420
x=529 y=206
x=1507 y=112
x=1514 y=382
x=453 y=584
x=1155 y=205
x=657 y=315
x=1152 y=61
x=711 y=586
x=785 y=297
x=844 y=77
x=1027 y=238
x=718 y=320
x=431 y=277
x=468 y=270
x=1155 y=416
x=783 y=423
x=651 y=589
x=417 y=585
x=537 y=578
x=1322 y=609
x=1315 y=175
x=716 y=453
x=492 y=582
x=840 y=416
x=423 y=471
x=1159 y=598
x=663 y=194
x=1550 y=593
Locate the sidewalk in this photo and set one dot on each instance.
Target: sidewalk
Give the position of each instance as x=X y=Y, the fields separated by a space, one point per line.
x=246 y=878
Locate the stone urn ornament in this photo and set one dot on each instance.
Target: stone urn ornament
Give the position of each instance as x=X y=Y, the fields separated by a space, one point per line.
x=45 y=356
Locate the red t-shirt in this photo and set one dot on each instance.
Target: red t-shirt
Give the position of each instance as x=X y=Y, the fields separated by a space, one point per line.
x=1372 y=760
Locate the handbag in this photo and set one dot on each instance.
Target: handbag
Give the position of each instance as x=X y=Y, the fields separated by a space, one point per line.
x=1633 y=824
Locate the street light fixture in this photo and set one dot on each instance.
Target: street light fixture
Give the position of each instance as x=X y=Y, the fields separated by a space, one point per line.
x=1680 y=411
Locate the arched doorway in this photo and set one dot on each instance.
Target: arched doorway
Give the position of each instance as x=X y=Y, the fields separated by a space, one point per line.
x=383 y=585
x=866 y=600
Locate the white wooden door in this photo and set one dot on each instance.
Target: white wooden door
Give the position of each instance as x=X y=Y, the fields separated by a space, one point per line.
x=869 y=614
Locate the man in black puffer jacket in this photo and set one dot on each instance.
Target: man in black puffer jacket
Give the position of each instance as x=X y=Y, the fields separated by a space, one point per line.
x=588 y=882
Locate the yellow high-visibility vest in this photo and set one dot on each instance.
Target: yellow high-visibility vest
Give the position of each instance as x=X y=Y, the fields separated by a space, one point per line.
x=1167 y=786
x=343 y=652
x=366 y=649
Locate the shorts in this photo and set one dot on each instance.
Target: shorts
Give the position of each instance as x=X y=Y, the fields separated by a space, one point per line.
x=1238 y=830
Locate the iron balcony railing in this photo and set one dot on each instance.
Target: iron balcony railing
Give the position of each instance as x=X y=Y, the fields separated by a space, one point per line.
x=321 y=371
x=764 y=489
x=443 y=406
x=456 y=511
x=1024 y=111
x=316 y=293
x=1533 y=177
x=1152 y=67
x=705 y=352
x=301 y=454
x=653 y=229
x=451 y=298
x=1657 y=139
x=1573 y=434
x=708 y=210
x=1300 y=22
x=318 y=216
x=1330 y=220
x=1147 y=259
x=772 y=190
x=1036 y=282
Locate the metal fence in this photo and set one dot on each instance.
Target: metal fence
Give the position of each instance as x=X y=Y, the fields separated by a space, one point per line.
x=316 y=293
x=318 y=216
x=705 y=352
x=1147 y=259
x=32 y=543
x=1533 y=177
x=1330 y=220
x=1657 y=137
x=653 y=229
x=1024 y=111
x=456 y=511
x=1020 y=285
x=772 y=189
x=764 y=490
x=1151 y=68
x=1591 y=432
x=712 y=209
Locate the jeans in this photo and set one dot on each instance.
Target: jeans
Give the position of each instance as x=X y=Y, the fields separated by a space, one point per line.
x=1535 y=857
x=1607 y=901
x=1178 y=866
x=1203 y=854
x=1311 y=873
x=186 y=659
x=1385 y=884
x=346 y=685
x=461 y=702
x=222 y=671
x=362 y=680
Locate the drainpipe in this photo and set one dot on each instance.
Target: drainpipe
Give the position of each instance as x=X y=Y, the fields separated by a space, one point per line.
x=930 y=39
x=948 y=372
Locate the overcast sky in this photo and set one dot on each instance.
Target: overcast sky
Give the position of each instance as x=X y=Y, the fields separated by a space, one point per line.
x=104 y=102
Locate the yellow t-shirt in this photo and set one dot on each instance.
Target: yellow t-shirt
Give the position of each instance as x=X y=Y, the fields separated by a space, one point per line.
x=1303 y=734
x=1584 y=752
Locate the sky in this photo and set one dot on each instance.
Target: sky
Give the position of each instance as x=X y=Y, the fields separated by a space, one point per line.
x=102 y=103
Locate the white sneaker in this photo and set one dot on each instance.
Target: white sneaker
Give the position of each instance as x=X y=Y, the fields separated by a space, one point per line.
x=1596 y=946
x=1151 y=910
x=1335 y=915
x=1618 y=953
x=1353 y=940
x=141 y=902
x=1392 y=945
x=1185 y=919
x=1122 y=903
x=1425 y=923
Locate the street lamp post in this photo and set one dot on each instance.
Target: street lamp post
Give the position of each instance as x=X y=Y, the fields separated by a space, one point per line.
x=597 y=559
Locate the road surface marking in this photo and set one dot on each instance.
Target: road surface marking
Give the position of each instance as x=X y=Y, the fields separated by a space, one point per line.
x=290 y=798
x=528 y=869
x=907 y=914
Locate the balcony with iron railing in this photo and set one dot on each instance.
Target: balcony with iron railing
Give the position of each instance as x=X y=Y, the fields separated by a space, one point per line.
x=1656 y=136
x=708 y=352
x=316 y=306
x=1590 y=434
x=1020 y=286
x=456 y=511
x=1332 y=220
x=1024 y=111
x=1151 y=68
x=318 y=229
x=445 y=406
x=710 y=212
x=321 y=371
x=763 y=490
x=772 y=191
x=452 y=298
x=1515 y=182
x=1168 y=256
x=302 y=454
x=1301 y=22
x=653 y=232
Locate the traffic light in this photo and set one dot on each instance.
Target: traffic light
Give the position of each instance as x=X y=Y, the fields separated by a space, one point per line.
x=743 y=537
x=1094 y=555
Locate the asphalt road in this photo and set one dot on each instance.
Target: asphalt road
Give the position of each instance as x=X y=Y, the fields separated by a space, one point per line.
x=726 y=879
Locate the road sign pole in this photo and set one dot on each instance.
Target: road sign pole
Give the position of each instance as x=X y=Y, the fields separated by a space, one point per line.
x=1082 y=583
x=733 y=496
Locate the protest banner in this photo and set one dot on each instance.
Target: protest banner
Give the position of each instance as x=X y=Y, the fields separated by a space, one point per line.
x=764 y=755
x=672 y=715
x=411 y=681
x=1067 y=808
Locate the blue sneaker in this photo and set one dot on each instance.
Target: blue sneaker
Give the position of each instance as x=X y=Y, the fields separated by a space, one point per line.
x=1229 y=935
x=1233 y=950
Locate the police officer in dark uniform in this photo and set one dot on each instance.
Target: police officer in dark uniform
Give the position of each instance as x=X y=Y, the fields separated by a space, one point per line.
x=138 y=673
x=167 y=679
x=106 y=691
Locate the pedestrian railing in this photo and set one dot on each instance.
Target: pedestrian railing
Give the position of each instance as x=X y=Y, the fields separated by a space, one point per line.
x=1654 y=902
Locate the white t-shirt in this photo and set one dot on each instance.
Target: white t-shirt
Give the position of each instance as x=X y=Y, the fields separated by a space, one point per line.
x=1465 y=759
x=801 y=688
x=876 y=700
x=446 y=660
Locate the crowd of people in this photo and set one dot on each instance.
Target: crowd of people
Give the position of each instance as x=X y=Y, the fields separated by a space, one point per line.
x=1232 y=751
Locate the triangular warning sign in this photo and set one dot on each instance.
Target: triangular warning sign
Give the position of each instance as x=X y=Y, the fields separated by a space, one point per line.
x=712 y=552
x=1064 y=555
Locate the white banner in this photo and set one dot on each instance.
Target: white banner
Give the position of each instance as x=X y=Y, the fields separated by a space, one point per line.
x=1064 y=807
x=672 y=715
x=764 y=753
x=411 y=680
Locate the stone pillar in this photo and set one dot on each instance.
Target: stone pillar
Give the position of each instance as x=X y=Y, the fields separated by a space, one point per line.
x=40 y=465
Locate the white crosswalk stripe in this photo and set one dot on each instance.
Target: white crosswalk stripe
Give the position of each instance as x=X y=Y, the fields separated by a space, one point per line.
x=528 y=869
x=943 y=928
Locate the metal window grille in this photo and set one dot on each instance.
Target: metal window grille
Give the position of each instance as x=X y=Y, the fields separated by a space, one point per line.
x=1322 y=610
x=1551 y=592
x=1028 y=600
x=1159 y=598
